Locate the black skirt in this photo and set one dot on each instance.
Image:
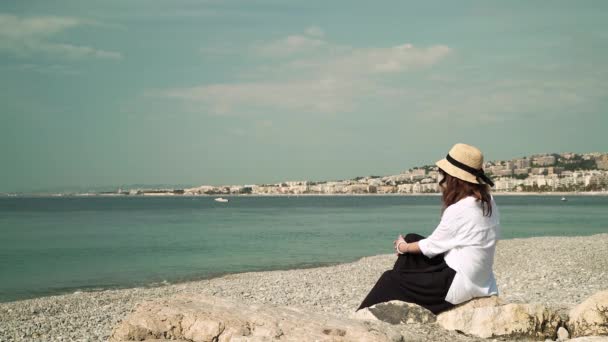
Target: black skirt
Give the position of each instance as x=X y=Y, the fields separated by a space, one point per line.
x=414 y=278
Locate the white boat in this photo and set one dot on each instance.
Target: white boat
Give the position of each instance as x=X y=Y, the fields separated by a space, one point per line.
x=219 y=199
x=564 y=199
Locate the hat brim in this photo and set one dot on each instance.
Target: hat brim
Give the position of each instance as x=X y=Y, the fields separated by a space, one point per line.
x=454 y=171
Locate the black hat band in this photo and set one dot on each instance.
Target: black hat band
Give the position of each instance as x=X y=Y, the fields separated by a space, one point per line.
x=479 y=174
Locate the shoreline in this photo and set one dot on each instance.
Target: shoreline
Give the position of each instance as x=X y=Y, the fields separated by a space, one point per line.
x=558 y=272
x=157 y=284
x=435 y=194
x=185 y=280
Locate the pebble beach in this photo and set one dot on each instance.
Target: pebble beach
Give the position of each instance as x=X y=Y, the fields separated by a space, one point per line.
x=558 y=272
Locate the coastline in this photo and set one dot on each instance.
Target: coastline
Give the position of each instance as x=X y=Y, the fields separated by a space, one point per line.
x=556 y=271
x=435 y=194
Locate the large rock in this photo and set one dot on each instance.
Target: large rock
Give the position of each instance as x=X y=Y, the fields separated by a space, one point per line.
x=590 y=317
x=490 y=317
x=396 y=312
x=214 y=319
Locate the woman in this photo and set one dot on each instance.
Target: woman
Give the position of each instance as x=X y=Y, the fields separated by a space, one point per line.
x=454 y=264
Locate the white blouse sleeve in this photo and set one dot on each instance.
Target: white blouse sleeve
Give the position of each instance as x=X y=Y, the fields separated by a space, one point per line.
x=442 y=239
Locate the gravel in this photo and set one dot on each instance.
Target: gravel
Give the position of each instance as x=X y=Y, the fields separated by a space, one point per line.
x=559 y=272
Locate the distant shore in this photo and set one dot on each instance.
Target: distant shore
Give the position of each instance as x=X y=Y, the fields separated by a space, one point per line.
x=558 y=272
x=561 y=194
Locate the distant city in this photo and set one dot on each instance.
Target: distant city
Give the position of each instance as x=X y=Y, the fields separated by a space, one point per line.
x=544 y=173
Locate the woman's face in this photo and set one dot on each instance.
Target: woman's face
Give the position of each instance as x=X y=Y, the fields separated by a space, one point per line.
x=442 y=180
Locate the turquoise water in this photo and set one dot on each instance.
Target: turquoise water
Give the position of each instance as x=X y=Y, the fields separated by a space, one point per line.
x=57 y=245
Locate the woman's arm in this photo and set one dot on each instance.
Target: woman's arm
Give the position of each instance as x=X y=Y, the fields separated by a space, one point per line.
x=411 y=248
x=402 y=247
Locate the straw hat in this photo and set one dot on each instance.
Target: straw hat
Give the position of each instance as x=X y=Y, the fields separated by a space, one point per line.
x=465 y=162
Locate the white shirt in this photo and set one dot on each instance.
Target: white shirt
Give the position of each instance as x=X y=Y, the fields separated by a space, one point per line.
x=469 y=238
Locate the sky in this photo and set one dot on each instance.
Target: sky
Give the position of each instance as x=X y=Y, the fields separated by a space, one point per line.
x=243 y=92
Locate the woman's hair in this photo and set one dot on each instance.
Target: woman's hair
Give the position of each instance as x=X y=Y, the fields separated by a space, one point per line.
x=455 y=189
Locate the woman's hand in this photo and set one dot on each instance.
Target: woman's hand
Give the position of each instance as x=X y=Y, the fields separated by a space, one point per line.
x=396 y=243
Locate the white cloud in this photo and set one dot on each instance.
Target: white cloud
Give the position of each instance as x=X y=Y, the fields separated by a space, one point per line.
x=395 y=59
x=42 y=68
x=30 y=36
x=315 y=31
x=290 y=45
x=23 y=28
x=323 y=95
x=75 y=51
x=310 y=74
x=491 y=101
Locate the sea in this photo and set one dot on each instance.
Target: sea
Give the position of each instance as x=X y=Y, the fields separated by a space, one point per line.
x=55 y=245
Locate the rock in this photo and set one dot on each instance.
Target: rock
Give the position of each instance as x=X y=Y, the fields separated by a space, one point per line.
x=481 y=302
x=590 y=317
x=201 y=318
x=396 y=312
x=489 y=317
x=562 y=334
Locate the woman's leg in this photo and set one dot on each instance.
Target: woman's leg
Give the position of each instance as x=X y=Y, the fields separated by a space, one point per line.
x=417 y=262
x=415 y=278
x=413 y=237
x=386 y=289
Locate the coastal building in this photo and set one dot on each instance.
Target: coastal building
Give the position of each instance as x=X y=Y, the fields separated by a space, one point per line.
x=400 y=178
x=405 y=188
x=503 y=172
x=434 y=175
x=387 y=180
x=357 y=189
x=236 y=189
x=568 y=155
x=554 y=170
x=386 y=189
x=514 y=175
x=545 y=160
x=429 y=187
x=523 y=163
x=598 y=178
x=602 y=162
x=418 y=172
x=318 y=188
x=506 y=184
x=335 y=187
x=375 y=182
x=201 y=190
x=538 y=171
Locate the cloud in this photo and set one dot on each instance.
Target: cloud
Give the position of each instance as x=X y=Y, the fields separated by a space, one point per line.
x=315 y=31
x=310 y=74
x=395 y=59
x=78 y=51
x=30 y=36
x=323 y=95
x=497 y=101
x=23 y=28
x=290 y=45
x=44 y=69
x=310 y=41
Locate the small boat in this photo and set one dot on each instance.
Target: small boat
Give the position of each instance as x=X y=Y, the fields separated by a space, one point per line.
x=564 y=199
x=222 y=200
